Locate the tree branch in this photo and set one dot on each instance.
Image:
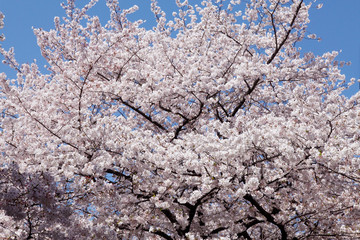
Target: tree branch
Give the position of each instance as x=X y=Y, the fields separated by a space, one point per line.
x=267 y=215
x=143 y=114
x=249 y=91
x=278 y=48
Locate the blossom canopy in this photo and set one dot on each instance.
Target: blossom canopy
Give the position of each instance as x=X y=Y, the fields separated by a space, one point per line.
x=211 y=125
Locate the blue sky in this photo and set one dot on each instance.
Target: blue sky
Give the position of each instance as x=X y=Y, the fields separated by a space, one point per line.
x=337 y=24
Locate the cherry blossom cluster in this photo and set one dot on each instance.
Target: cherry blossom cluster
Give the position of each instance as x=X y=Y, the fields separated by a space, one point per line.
x=213 y=124
x=2 y=38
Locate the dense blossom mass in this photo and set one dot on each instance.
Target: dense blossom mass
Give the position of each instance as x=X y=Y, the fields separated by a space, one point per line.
x=211 y=125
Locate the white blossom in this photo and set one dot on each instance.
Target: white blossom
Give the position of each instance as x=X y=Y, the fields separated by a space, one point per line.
x=210 y=125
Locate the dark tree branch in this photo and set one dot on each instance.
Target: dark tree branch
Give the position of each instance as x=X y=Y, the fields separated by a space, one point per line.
x=193 y=208
x=248 y=92
x=231 y=64
x=273 y=24
x=278 y=48
x=186 y=121
x=217 y=114
x=244 y=233
x=192 y=173
x=50 y=131
x=236 y=41
x=170 y=216
x=222 y=108
x=30 y=228
x=267 y=215
x=331 y=129
x=102 y=76
x=340 y=173
x=127 y=61
x=119 y=174
x=217 y=230
x=143 y=114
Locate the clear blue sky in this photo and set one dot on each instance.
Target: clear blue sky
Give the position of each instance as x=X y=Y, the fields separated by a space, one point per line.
x=337 y=23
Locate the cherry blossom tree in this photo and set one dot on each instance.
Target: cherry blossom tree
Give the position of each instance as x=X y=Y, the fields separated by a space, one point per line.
x=212 y=125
